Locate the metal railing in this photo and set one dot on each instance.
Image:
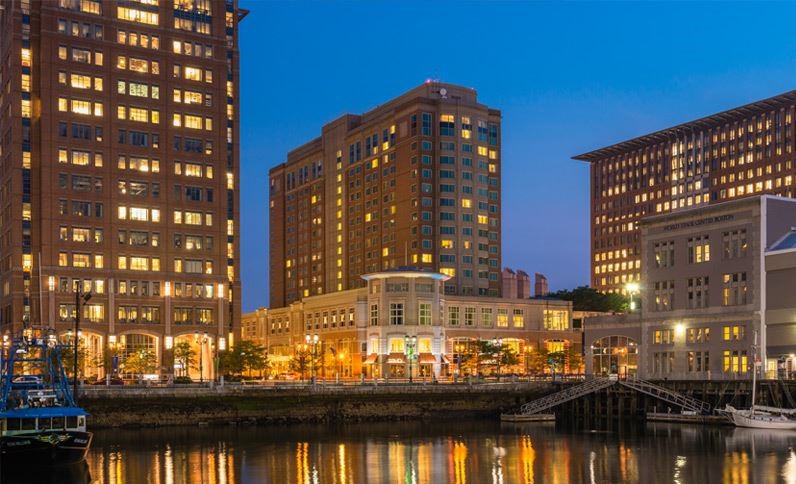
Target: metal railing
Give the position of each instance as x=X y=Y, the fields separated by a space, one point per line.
x=666 y=395
x=571 y=393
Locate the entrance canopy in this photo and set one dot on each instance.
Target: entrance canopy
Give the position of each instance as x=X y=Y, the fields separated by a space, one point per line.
x=396 y=359
x=426 y=359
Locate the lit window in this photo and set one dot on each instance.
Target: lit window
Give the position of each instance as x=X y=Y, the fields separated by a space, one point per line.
x=139 y=65
x=135 y=15
x=193 y=73
x=80 y=107
x=79 y=81
x=193 y=122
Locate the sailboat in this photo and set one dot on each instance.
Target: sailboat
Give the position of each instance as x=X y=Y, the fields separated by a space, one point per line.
x=758 y=416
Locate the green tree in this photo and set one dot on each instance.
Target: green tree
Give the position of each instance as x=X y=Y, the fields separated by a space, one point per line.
x=301 y=362
x=68 y=358
x=141 y=362
x=252 y=356
x=508 y=357
x=585 y=298
x=574 y=360
x=230 y=362
x=539 y=361
x=185 y=356
x=488 y=353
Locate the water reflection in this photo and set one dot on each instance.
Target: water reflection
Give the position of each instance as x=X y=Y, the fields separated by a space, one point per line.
x=451 y=453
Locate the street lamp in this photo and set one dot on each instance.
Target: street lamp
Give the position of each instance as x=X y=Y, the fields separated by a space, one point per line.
x=3 y=351
x=341 y=357
x=632 y=288
x=301 y=350
x=410 y=342
x=201 y=340
x=313 y=340
x=80 y=301
x=459 y=348
x=499 y=343
x=527 y=350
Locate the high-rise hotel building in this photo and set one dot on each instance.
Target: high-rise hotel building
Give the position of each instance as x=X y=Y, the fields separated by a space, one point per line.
x=119 y=170
x=413 y=182
x=736 y=153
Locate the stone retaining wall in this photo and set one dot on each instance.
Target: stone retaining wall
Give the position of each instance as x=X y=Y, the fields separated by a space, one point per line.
x=132 y=406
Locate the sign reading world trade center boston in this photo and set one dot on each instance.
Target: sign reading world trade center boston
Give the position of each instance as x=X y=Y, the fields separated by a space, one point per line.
x=699 y=222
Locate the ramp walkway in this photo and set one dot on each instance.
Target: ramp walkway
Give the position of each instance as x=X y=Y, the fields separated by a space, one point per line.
x=565 y=395
x=597 y=384
x=668 y=396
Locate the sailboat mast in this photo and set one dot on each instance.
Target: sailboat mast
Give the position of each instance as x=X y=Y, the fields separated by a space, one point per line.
x=754 y=375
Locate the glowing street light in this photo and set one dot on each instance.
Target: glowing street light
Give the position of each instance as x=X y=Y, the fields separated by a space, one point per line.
x=632 y=288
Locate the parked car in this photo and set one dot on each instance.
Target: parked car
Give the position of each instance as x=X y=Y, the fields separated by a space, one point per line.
x=27 y=380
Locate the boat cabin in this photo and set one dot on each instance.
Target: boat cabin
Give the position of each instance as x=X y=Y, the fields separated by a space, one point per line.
x=25 y=421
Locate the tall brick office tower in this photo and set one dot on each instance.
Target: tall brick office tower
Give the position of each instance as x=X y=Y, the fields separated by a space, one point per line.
x=415 y=181
x=119 y=170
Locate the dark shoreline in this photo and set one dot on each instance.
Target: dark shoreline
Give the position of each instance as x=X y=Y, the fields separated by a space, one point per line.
x=160 y=407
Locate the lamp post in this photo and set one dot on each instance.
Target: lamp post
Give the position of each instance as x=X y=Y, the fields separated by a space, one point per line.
x=313 y=340
x=3 y=351
x=201 y=340
x=301 y=349
x=341 y=357
x=527 y=350
x=80 y=301
x=632 y=288
x=459 y=348
x=410 y=342
x=499 y=343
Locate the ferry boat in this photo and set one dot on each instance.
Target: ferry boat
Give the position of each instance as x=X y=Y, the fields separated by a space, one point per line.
x=40 y=424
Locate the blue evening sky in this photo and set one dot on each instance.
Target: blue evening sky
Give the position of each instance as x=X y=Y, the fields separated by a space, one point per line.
x=568 y=77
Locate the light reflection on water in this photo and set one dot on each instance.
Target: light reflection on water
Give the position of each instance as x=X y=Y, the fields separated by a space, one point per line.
x=451 y=453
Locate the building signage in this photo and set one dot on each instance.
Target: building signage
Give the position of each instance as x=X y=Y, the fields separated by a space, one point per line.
x=697 y=223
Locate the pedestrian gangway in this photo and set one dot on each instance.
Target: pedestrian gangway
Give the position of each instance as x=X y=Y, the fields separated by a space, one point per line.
x=668 y=396
x=594 y=385
x=571 y=393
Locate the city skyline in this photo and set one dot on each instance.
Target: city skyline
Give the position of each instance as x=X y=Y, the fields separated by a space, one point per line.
x=589 y=95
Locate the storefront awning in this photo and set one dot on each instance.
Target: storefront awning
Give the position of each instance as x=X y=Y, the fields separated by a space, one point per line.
x=371 y=359
x=426 y=359
x=396 y=359
x=446 y=360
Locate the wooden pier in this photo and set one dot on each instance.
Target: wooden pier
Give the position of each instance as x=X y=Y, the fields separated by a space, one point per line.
x=649 y=401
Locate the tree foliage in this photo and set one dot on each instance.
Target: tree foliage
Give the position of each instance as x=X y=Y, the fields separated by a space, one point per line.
x=585 y=298
x=568 y=360
x=185 y=355
x=246 y=356
x=68 y=358
x=141 y=362
x=304 y=362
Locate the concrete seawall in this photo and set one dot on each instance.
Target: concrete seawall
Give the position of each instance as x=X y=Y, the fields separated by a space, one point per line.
x=141 y=406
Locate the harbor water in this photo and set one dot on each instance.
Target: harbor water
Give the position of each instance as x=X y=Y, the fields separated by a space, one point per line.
x=422 y=452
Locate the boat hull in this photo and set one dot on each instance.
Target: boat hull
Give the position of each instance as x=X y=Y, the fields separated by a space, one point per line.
x=47 y=448
x=762 y=422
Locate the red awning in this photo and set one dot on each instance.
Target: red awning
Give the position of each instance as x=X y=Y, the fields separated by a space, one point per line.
x=396 y=359
x=426 y=359
x=371 y=359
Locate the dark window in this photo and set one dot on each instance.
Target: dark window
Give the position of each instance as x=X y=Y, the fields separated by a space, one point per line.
x=138 y=138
